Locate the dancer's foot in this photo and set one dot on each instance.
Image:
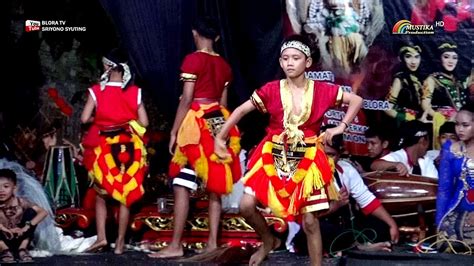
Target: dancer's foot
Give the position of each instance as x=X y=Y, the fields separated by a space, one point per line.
x=168 y=253
x=98 y=246
x=259 y=256
x=119 y=246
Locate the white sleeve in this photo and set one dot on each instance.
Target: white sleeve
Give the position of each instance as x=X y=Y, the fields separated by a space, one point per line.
x=356 y=186
x=429 y=169
x=139 y=97
x=391 y=157
x=93 y=95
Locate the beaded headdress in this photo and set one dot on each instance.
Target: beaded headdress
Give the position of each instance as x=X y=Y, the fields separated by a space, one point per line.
x=298 y=46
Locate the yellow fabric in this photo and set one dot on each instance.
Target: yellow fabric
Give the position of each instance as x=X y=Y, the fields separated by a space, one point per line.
x=139 y=129
x=189 y=132
x=257 y=101
x=438 y=121
x=409 y=117
x=179 y=158
x=228 y=179
x=274 y=203
x=202 y=166
x=188 y=77
x=292 y=121
x=258 y=165
x=333 y=194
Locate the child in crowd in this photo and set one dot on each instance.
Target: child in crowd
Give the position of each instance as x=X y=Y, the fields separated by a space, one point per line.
x=18 y=220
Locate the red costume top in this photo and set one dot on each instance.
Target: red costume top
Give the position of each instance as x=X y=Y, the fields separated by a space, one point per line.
x=114 y=105
x=289 y=171
x=321 y=96
x=210 y=72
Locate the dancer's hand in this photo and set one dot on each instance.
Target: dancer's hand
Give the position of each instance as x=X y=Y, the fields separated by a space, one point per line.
x=172 y=143
x=331 y=132
x=220 y=148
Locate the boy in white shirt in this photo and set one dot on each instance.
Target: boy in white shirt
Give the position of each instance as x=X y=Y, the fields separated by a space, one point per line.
x=410 y=159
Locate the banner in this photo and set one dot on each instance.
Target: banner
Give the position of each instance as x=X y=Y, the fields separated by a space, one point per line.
x=407 y=59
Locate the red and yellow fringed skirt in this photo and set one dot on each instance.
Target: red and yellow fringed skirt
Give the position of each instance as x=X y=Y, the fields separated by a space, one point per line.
x=195 y=147
x=293 y=182
x=119 y=164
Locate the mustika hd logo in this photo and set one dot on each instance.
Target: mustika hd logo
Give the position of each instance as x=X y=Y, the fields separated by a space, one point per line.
x=405 y=27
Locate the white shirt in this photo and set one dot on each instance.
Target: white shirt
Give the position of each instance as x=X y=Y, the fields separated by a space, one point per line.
x=354 y=184
x=432 y=154
x=426 y=164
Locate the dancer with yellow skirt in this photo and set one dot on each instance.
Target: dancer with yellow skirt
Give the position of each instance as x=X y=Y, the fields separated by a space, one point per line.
x=201 y=113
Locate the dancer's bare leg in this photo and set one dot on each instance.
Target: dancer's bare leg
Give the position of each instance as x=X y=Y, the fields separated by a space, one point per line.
x=313 y=234
x=100 y=219
x=181 y=208
x=215 y=209
x=123 y=224
x=255 y=219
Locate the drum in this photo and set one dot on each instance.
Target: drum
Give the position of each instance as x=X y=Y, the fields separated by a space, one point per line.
x=59 y=177
x=403 y=196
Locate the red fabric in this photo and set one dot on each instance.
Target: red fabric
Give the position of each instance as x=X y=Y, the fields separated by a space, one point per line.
x=212 y=73
x=216 y=182
x=371 y=207
x=114 y=105
x=450 y=23
x=324 y=97
x=89 y=199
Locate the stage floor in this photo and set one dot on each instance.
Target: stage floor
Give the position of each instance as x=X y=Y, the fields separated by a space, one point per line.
x=280 y=258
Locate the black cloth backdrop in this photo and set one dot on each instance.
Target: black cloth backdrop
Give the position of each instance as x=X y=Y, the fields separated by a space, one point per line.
x=157 y=36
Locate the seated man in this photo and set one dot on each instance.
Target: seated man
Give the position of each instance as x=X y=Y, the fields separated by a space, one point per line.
x=414 y=143
x=377 y=146
x=338 y=222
